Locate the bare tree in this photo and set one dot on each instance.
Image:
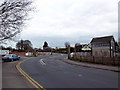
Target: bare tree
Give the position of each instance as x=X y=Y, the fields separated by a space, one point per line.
x=24 y=45
x=77 y=44
x=67 y=44
x=13 y=14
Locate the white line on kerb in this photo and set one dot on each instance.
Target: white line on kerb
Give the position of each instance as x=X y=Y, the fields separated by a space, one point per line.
x=41 y=61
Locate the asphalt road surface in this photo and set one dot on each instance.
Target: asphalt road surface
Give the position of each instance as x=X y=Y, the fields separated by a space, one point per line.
x=11 y=77
x=52 y=72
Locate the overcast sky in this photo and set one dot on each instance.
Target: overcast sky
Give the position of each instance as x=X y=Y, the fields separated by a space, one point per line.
x=74 y=21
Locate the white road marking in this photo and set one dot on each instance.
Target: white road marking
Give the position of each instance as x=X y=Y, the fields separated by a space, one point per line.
x=80 y=75
x=50 y=57
x=66 y=58
x=41 y=61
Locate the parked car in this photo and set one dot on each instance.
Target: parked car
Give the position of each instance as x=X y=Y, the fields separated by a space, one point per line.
x=10 y=57
x=28 y=54
x=72 y=54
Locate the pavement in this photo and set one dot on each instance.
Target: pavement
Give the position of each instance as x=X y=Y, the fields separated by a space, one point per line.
x=11 y=77
x=97 y=66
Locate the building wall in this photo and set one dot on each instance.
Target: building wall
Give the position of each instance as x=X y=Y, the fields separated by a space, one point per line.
x=112 y=46
x=83 y=54
x=101 y=51
x=119 y=44
x=104 y=49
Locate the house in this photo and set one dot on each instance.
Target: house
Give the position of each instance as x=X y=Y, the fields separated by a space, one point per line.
x=119 y=44
x=47 y=49
x=82 y=50
x=86 y=47
x=103 y=46
x=116 y=47
x=78 y=48
x=82 y=47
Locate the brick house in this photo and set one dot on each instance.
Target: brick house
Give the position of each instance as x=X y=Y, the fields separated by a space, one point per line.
x=103 y=46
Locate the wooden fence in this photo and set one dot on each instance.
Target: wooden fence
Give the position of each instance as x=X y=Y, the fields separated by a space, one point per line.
x=18 y=53
x=99 y=60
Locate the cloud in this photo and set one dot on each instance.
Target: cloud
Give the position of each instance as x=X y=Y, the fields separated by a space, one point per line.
x=71 y=20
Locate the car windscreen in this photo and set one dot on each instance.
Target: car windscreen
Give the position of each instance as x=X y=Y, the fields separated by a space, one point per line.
x=7 y=56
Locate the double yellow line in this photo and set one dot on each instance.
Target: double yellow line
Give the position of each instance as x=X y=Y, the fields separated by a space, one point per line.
x=31 y=80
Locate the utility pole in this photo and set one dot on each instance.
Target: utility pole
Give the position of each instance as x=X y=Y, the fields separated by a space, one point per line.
x=34 y=53
x=21 y=45
x=51 y=51
x=75 y=52
x=69 y=52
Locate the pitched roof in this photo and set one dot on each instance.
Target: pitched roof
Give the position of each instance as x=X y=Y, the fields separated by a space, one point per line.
x=102 y=39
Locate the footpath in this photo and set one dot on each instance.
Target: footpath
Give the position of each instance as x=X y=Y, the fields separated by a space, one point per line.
x=97 y=66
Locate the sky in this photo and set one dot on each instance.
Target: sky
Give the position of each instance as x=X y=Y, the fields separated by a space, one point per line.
x=73 y=21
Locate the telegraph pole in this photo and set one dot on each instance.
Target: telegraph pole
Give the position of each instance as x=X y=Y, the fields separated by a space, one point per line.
x=68 y=51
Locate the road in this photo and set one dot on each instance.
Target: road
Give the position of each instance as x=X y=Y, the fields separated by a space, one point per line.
x=11 y=78
x=51 y=72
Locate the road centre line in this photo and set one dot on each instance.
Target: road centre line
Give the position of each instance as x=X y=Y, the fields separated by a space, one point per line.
x=41 y=61
x=31 y=80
